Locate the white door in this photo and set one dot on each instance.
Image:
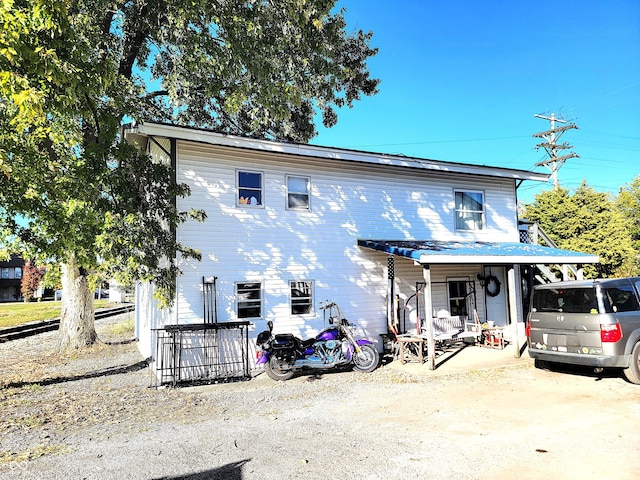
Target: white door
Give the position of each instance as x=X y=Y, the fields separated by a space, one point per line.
x=495 y=290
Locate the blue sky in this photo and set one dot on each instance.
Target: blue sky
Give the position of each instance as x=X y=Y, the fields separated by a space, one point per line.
x=462 y=80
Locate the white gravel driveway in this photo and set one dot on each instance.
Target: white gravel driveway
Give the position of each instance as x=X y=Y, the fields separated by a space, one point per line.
x=60 y=418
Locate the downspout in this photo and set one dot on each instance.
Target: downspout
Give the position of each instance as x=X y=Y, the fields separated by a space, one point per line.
x=173 y=157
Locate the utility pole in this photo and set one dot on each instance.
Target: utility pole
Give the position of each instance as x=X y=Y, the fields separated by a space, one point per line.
x=551 y=136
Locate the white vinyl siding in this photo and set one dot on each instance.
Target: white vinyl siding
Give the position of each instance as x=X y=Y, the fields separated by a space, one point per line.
x=272 y=246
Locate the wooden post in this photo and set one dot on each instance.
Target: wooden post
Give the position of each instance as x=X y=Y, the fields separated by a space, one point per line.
x=513 y=308
x=390 y=294
x=428 y=317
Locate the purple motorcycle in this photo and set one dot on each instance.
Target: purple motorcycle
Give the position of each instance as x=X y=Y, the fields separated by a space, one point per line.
x=283 y=354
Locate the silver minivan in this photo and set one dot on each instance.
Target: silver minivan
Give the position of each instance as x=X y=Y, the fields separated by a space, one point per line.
x=591 y=322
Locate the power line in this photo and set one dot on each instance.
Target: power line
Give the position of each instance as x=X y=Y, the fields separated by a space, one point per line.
x=436 y=141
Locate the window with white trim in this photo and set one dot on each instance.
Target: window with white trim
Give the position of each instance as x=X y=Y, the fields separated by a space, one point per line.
x=457 y=291
x=301 y=297
x=298 y=192
x=249 y=300
x=249 y=188
x=469 y=210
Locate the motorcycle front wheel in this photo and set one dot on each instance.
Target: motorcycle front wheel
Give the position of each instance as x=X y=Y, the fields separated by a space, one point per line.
x=367 y=360
x=274 y=370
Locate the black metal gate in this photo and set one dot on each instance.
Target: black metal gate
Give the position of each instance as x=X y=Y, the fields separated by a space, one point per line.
x=202 y=353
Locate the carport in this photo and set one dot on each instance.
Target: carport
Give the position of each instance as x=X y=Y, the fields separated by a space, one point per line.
x=509 y=254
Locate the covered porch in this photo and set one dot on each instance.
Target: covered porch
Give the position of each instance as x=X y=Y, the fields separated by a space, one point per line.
x=501 y=288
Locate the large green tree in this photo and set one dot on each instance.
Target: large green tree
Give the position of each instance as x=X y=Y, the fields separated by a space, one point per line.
x=73 y=71
x=586 y=221
x=628 y=202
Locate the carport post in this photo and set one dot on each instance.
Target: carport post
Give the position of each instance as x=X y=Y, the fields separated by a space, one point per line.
x=513 y=308
x=428 y=317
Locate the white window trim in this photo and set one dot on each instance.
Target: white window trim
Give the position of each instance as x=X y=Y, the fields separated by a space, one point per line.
x=313 y=296
x=308 y=193
x=237 y=191
x=238 y=300
x=483 y=212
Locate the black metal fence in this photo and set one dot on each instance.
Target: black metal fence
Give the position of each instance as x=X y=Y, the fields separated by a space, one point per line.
x=202 y=353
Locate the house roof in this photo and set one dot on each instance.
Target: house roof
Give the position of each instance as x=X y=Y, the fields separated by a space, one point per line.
x=440 y=252
x=329 y=153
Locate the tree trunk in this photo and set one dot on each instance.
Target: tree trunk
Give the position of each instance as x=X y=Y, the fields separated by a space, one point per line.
x=77 y=327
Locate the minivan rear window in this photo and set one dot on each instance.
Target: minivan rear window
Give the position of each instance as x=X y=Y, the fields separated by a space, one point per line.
x=569 y=300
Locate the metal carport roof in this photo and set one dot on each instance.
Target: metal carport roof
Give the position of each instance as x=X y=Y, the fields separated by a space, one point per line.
x=441 y=252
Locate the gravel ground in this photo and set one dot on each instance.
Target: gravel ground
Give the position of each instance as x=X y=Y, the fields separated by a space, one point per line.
x=92 y=414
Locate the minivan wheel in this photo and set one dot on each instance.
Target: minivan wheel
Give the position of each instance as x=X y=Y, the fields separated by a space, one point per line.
x=632 y=372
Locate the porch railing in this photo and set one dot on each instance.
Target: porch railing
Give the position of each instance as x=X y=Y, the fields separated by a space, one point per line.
x=202 y=353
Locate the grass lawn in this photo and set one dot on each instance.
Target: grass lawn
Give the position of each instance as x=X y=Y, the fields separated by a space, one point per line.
x=16 y=313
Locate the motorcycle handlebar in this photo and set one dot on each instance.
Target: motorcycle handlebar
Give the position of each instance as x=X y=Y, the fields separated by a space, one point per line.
x=327 y=305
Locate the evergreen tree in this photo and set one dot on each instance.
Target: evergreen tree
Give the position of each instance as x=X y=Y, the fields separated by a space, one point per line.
x=586 y=221
x=628 y=202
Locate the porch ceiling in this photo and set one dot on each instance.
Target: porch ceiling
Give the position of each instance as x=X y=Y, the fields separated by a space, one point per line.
x=439 y=252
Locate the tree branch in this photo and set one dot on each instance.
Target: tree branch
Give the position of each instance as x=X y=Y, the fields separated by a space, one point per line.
x=158 y=93
x=94 y=113
x=137 y=32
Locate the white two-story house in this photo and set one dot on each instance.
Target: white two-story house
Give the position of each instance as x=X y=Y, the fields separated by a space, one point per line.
x=289 y=226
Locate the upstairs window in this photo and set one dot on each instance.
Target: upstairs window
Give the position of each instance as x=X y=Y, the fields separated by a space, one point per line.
x=18 y=272
x=301 y=298
x=298 y=193
x=249 y=188
x=469 y=210
x=5 y=272
x=249 y=298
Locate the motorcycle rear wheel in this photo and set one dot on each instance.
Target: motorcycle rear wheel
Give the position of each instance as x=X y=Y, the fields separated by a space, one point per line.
x=274 y=370
x=367 y=360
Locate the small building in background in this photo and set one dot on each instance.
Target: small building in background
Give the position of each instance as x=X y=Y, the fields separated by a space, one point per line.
x=11 y=279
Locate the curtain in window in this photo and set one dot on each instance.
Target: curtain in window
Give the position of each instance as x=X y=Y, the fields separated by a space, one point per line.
x=469 y=211
x=298 y=193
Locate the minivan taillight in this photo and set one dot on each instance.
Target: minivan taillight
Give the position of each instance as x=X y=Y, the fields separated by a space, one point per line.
x=527 y=329
x=610 y=333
